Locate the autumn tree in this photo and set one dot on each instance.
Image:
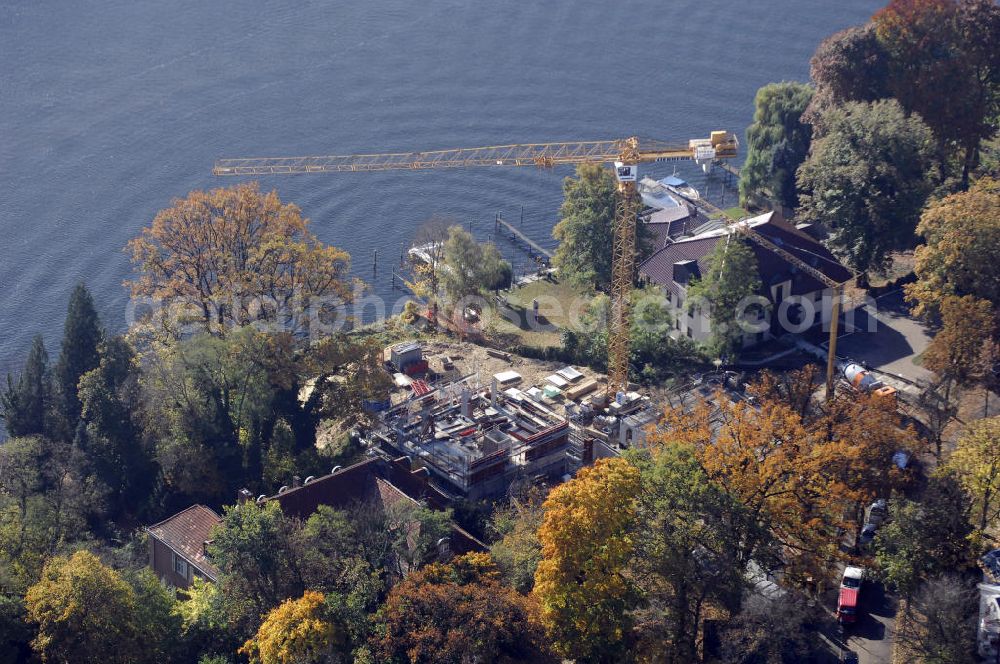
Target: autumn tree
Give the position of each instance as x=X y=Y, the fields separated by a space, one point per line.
x=458 y=612
x=25 y=404
x=85 y=613
x=961 y=254
x=777 y=143
x=956 y=352
x=946 y=49
x=851 y=65
x=941 y=624
x=773 y=467
x=295 y=631
x=976 y=465
x=866 y=180
x=731 y=278
x=684 y=561
x=236 y=256
x=858 y=434
x=587 y=540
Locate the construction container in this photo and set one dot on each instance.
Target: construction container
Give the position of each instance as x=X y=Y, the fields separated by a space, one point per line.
x=405 y=354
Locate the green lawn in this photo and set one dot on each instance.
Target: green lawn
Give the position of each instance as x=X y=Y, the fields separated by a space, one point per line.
x=736 y=213
x=559 y=304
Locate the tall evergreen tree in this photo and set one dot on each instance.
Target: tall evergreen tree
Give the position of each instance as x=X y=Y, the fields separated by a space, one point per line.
x=24 y=404
x=82 y=335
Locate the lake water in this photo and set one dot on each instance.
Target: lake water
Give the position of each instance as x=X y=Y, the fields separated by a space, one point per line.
x=111 y=108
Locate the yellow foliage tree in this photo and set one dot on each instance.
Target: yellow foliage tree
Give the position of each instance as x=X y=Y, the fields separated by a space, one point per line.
x=586 y=537
x=962 y=251
x=295 y=631
x=85 y=612
x=976 y=464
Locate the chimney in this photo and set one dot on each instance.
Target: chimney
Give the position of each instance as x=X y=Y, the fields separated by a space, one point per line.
x=243 y=496
x=296 y=481
x=494 y=388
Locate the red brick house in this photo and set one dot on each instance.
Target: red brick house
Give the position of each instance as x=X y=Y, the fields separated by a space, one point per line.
x=178 y=546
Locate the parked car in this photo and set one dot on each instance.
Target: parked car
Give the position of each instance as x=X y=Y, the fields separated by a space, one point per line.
x=901 y=459
x=848 y=657
x=877 y=512
x=867 y=536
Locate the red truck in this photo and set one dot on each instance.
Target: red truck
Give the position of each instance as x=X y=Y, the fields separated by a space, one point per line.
x=847 y=602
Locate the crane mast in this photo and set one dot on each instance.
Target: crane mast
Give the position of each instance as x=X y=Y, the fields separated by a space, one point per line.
x=626 y=154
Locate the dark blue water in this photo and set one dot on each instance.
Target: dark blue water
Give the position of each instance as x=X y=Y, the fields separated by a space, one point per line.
x=111 y=108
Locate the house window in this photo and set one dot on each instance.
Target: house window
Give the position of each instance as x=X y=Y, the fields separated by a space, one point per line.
x=180 y=566
x=689 y=331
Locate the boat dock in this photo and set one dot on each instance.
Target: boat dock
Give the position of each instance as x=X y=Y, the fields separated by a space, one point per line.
x=519 y=238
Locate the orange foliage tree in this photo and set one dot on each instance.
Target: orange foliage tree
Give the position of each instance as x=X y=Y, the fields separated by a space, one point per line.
x=581 y=585
x=457 y=612
x=235 y=256
x=798 y=469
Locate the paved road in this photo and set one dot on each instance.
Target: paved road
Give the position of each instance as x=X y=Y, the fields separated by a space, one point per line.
x=872 y=636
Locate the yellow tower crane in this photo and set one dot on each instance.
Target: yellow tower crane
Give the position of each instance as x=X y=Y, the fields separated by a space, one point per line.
x=626 y=154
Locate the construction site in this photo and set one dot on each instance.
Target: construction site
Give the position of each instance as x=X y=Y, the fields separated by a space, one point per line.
x=480 y=420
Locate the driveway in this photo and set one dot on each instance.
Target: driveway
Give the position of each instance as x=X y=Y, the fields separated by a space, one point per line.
x=871 y=637
x=888 y=339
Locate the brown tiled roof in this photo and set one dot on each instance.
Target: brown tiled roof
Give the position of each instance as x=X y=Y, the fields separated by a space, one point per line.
x=773 y=269
x=375 y=480
x=186 y=533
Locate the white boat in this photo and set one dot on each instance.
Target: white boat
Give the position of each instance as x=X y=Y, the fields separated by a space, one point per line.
x=656 y=195
x=425 y=253
x=680 y=187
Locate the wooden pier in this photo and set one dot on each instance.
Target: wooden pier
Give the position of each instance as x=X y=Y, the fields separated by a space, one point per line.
x=517 y=236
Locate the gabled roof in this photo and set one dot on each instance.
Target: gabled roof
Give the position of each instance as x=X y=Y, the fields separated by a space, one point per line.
x=376 y=481
x=773 y=269
x=186 y=533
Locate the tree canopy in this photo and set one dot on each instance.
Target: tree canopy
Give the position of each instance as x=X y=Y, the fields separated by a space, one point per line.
x=458 y=612
x=777 y=143
x=731 y=278
x=470 y=268
x=976 y=465
x=235 y=256
x=26 y=403
x=586 y=542
x=294 y=631
x=866 y=180
x=961 y=254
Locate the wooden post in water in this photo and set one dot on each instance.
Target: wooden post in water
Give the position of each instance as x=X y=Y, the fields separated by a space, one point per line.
x=375 y=262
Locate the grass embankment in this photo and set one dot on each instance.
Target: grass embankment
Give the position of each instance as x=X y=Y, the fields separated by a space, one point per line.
x=559 y=305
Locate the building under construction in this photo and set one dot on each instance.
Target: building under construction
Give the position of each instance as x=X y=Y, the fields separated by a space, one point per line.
x=475 y=441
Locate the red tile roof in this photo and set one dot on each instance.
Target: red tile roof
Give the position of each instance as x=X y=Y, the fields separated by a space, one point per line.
x=186 y=533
